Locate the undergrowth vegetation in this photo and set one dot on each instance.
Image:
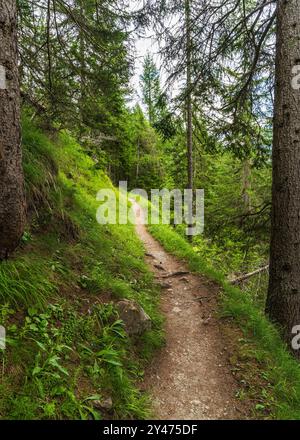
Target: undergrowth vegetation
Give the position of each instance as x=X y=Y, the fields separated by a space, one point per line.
x=67 y=353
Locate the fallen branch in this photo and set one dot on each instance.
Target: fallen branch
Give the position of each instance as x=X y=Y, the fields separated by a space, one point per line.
x=159 y=267
x=249 y=275
x=175 y=274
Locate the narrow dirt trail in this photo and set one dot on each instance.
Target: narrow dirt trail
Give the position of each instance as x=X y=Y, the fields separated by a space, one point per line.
x=190 y=377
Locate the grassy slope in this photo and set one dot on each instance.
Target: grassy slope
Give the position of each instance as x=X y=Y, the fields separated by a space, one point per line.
x=261 y=348
x=66 y=348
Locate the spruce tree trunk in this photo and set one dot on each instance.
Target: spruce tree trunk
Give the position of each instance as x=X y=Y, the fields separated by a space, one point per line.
x=12 y=199
x=189 y=132
x=283 y=302
x=82 y=71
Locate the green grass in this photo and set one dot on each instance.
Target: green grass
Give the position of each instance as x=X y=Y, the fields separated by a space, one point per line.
x=280 y=396
x=66 y=347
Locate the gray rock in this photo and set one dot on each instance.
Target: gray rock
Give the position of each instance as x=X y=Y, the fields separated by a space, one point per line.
x=165 y=285
x=106 y=404
x=135 y=319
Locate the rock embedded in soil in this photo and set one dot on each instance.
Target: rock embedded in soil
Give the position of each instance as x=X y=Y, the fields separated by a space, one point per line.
x=165 y=285
x=105 y=404
x=184 y=279
x=136 y=320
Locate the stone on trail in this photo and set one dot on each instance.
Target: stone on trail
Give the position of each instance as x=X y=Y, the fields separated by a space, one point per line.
x=135 y=319
x=159 y=267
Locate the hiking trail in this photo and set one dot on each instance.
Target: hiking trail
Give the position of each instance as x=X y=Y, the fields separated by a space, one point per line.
x=190 y=377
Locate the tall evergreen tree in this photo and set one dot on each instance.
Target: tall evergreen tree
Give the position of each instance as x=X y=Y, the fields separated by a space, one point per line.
x=283 y=304
x=189 y=104
x=12 y=199
x=150 y=83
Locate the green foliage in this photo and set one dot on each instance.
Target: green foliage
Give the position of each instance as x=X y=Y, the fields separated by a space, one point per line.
x=76 y=68
x=150 y=83
x=66 y=352
x=156 y=101
x=237 y=200
x=140 y=152
x=237 y=210
x=28 y=280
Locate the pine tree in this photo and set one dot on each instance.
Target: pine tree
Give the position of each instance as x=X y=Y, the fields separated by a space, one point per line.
x=189 y=104
x=12 y=199
x=150 y=83
x=283 y=303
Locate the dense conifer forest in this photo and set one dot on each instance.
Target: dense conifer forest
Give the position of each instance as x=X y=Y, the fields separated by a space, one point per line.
x=102 y=318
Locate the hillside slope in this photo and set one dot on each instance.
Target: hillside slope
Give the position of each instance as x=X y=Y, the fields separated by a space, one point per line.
x=67 y=353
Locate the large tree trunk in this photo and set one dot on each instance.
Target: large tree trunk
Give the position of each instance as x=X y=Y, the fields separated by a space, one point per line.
x=189 y=110
x=12 y=199
x=283 y=302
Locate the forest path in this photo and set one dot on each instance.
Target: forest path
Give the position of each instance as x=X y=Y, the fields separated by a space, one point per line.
x=190 y=377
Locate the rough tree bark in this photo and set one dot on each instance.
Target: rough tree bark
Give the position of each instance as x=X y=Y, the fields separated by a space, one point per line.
x=12 y=198
x=283 y=302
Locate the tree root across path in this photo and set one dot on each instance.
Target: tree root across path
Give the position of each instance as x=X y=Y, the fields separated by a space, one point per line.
x=190 y=378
